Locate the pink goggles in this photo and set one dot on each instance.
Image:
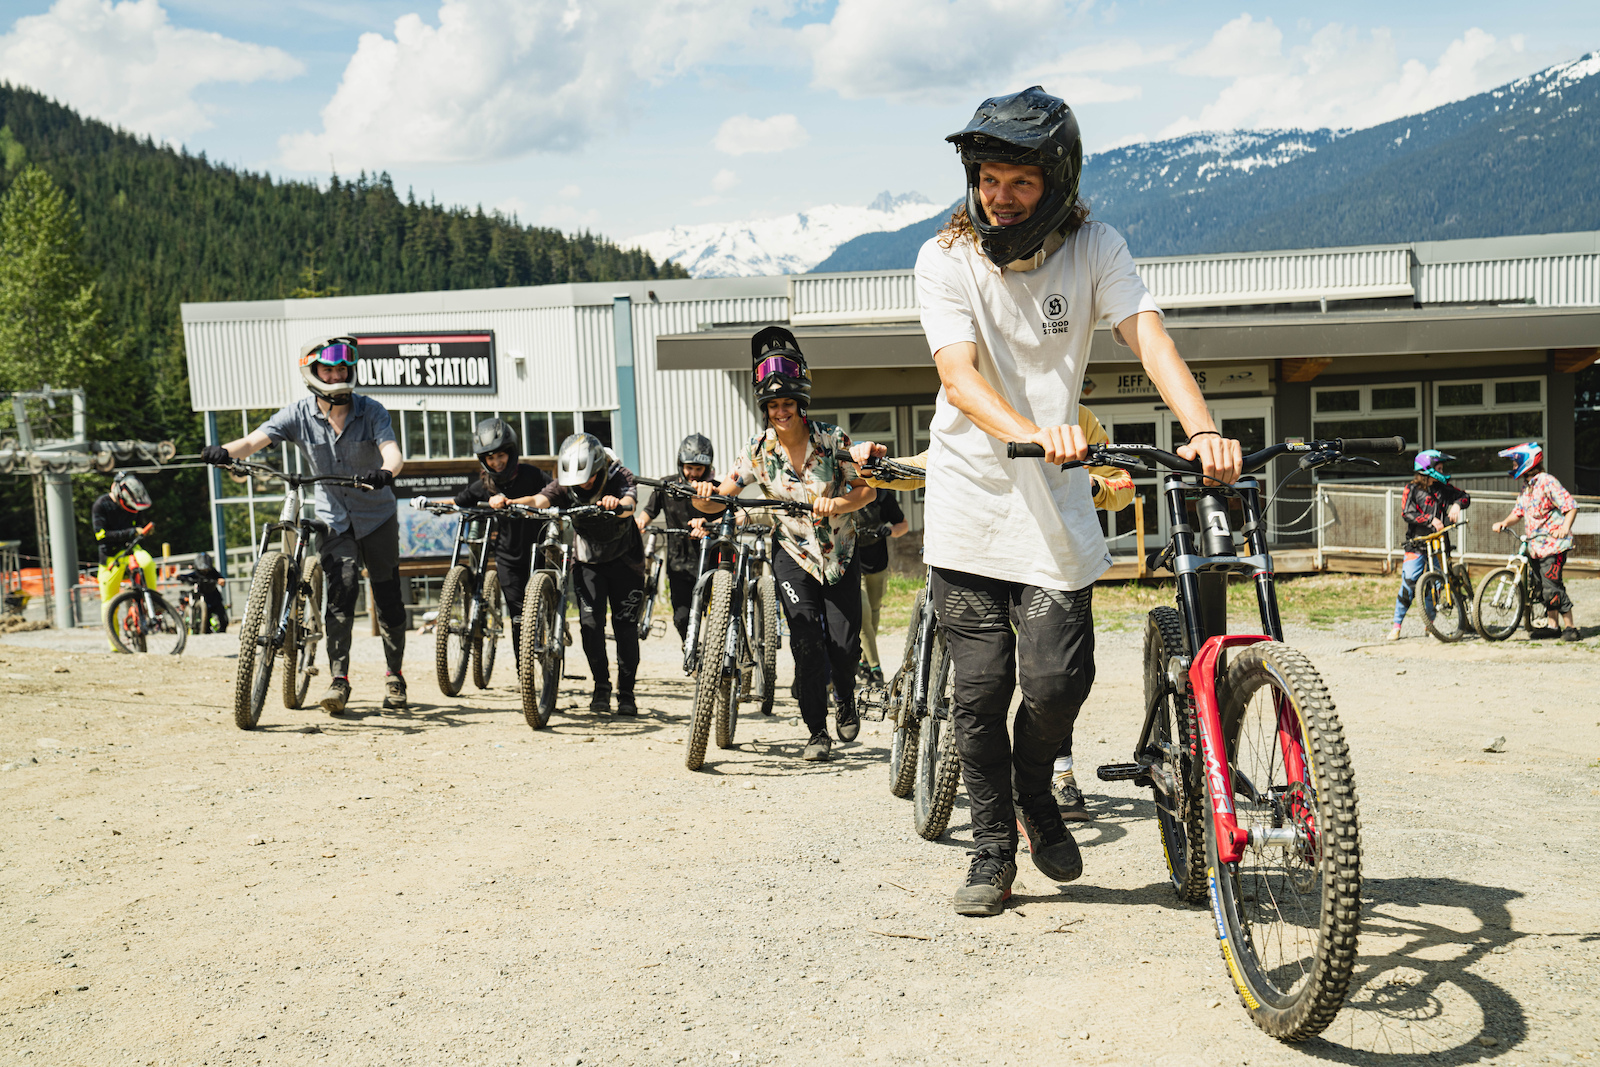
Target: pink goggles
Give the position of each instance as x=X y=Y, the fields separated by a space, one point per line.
x=337 y=355
x=778 y=365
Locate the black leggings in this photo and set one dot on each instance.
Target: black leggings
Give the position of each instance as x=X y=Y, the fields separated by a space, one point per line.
x=513 y=584
x=805 y=602
x=619 y=583
x=999 y=632
x=681 y=585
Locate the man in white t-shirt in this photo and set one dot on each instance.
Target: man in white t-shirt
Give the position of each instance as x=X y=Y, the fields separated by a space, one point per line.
x=1010 y=293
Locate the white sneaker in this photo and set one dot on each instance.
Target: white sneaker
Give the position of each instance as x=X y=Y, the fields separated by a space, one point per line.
x=1394 y=633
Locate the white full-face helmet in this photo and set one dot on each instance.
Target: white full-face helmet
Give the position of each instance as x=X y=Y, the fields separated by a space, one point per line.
x=580 y=458
x=329 y=352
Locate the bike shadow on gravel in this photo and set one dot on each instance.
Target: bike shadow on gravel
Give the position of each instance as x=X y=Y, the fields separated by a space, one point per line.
x=1422 y=998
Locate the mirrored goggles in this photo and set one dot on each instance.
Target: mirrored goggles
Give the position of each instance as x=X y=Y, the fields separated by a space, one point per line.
x=337 y=355
x=783 y=365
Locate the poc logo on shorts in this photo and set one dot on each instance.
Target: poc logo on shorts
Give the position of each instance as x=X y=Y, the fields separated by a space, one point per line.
x=788 y=591
x=1055 y=314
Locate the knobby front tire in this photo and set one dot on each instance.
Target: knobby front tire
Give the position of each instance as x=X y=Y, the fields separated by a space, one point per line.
x=125 y=621
x=765 y=641
x=539 y=669
x=1444 y=612
x=305 y=631
x=253 y=672
x=1288 y=916
x=938 y=764
x=902 y=700
x=1500 y=604
x=710 y=687
x=1180 y=817
x=491 y=625
x=452 y=642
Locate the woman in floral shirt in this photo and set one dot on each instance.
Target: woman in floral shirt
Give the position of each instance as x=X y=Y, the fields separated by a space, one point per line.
x=1547 y=512
x=794 y=458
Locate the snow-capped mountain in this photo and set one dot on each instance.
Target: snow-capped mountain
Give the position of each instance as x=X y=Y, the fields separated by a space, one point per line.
x=788 y=244
x=1186 y=164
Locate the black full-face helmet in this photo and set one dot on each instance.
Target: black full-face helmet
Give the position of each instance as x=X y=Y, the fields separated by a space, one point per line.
x=495 y=435
x=778 y=370
x=696 y=449
x=1026 y=129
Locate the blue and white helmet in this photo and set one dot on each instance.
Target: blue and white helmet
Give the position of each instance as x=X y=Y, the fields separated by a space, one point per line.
x=1524 y=457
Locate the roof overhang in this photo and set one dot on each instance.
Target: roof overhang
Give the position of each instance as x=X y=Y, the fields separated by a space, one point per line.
x=1420 y=331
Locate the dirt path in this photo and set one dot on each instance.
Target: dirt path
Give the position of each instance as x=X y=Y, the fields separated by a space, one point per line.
x=446 y=886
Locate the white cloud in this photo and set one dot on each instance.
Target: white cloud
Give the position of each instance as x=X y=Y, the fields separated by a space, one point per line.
x=724 y=180
x=1343 y=77
x=742 y=134
x=570 y=192
x=127 y=64
x=494 y=79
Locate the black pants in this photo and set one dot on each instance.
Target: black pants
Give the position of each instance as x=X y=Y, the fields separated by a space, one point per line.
x=681 y=585
x=214 y=608
x=619 y=583
x=343 y=556
x=818 y=646
x=513 y=584
x=998 y=633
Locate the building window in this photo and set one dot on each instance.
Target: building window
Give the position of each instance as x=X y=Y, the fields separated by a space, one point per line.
x=599 y=424
x=1474 y=420
x=415 y=434
x=461 y=434
x=536 y=434
x=439 y=434
x=1389 y=410
x=561 y=428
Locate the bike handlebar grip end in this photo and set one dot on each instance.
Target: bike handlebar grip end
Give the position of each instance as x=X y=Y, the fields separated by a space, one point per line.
x=1380 y=445
x=1024 y=450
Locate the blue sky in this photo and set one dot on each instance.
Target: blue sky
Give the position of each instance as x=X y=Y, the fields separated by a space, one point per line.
x=626 y=116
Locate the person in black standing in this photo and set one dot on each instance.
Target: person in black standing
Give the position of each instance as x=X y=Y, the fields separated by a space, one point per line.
x=610 y=568
x=875 y=525
x=695 y=464
x=205 y=578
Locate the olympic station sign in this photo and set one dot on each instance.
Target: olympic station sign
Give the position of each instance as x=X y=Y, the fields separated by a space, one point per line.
x=438 y=361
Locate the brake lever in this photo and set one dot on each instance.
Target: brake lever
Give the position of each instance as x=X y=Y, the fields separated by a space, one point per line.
x=1360 y=461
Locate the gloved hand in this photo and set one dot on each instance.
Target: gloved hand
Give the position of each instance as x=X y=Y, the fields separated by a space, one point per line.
x=419 y=502
x=886 y=530
x=216 y=455
x=147 y=529
x=377 y=479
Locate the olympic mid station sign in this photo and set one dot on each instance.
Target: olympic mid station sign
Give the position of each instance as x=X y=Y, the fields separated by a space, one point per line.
x=438 y=361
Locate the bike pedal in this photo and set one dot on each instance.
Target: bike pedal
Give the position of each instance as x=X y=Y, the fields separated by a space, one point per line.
x=1123 y=772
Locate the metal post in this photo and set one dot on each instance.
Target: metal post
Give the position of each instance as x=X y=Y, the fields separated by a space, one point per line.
x=627 y=407
x=1388 y=530
x=1138 y=535
x=63 y=544
x=219 y=533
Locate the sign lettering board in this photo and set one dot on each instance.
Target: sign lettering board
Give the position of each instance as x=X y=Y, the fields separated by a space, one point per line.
x=1211 y=378
x=440 y=361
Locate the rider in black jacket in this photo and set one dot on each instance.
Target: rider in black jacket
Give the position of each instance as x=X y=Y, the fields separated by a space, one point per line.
x=695 y=462
x=1429 y=501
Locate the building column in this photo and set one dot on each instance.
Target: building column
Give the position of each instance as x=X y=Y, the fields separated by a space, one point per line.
x=627 y=406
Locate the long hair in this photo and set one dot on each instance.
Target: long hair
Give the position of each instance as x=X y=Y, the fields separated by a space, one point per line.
x=959 y=225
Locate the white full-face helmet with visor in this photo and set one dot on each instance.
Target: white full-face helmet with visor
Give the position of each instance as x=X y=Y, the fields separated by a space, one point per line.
x=329 y=352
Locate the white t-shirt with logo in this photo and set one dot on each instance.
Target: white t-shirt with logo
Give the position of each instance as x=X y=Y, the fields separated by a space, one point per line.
x=1020 y=520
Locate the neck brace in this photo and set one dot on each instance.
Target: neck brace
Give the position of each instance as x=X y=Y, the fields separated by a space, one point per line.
x=1054 y=241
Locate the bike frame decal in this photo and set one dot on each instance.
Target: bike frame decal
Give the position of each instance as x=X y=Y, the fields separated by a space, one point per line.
x=1231 y=839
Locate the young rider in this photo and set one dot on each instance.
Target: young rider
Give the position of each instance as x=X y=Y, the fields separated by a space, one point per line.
x=205 y=578
x=1429 y=500
x=610 y=568
x=817 y=572
x=695 y=464
x=1010 y=291
x=1548 y=512
x=112 y=516
x=1113 y=491
x=341 y=433
x=876 y=523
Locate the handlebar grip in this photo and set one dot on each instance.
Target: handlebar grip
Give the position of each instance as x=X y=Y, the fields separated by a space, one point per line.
x=1380 y=445
x=1024 y=450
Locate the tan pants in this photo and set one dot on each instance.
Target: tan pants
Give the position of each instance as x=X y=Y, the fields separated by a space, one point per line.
x=872 y=587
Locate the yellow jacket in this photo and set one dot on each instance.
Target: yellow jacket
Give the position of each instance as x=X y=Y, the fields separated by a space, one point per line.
x=1113 y=486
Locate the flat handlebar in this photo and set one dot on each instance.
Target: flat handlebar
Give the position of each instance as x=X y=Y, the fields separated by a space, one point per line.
x=1106 y=454
x=794 y=507
x=261 y=470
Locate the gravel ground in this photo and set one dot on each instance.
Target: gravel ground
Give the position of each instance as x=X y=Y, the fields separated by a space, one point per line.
x=446 y=886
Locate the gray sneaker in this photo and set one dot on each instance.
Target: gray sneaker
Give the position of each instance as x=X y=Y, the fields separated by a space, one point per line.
x=988 y=883
x=1069 y=798
x=818 y=748
x=337 y=696
x=394 y=693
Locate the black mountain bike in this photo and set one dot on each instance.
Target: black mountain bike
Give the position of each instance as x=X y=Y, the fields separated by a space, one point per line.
x=141 y=619
x=545 y=637
x=192 y=606
x=472 y=609
x=923 y=761
x=734 y=621
x=284 y=611
x=655 y=564
x=1246 y=760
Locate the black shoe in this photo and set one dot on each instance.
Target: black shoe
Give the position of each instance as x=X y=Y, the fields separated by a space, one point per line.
x=876 y=676
x=818 y=747
x=337 y=696
x=988 y=883
x=1544 y=633
x=1054 y=851
x=1571 y=634
x=849 y=722
x=863 y=672
x=600 y=702
x=394 y=693
x=625 y=704
x=1069 y=798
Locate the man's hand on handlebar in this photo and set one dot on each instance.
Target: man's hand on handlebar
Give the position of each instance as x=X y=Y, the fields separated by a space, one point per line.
x=1221 y=458
x=1062 y=444
x=864 y=452
x=697 y=527
x=215 y=455
x=377 y=478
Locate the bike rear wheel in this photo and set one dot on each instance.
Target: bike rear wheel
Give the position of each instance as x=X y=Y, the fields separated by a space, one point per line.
x=1500 y=603
x=452 y=636
x=125 y=621
x=938 y=763
x=765 y=640
x=253 y=671
x=1179 y=815
x=1288 y=914
x=140 y=625
x=1443 y=610
x=487 y=640
x=305 y=629
x=903 y=742
x=710 y=687
x=652 y=589
x=539 y=667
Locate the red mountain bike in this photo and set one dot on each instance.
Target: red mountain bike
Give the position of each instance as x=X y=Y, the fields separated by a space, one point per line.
x=1244 y=753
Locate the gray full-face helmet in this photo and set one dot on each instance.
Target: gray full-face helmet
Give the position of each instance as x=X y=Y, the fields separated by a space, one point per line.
x=580 y=458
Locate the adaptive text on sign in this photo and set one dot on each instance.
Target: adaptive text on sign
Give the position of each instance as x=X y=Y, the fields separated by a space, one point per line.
x=438 y=362
x=1225 y=378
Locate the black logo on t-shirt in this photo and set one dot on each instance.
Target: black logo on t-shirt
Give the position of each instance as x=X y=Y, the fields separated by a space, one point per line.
x=1055 y=314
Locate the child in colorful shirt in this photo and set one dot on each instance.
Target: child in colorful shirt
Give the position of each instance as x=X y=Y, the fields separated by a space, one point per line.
x=1547 y=511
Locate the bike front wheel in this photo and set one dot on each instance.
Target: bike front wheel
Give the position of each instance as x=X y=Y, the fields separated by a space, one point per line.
x=253 y=672
x=938 y=763
x=539 y=666
x=711 y=688
x=487 y=640
x=452 y=636
x=1444 y=612
x=148 y=625
x=1500 y=603
x=652 y=587
x=305 y=631
x=1289 y=911
x=1174 y=783
x=903 y=743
